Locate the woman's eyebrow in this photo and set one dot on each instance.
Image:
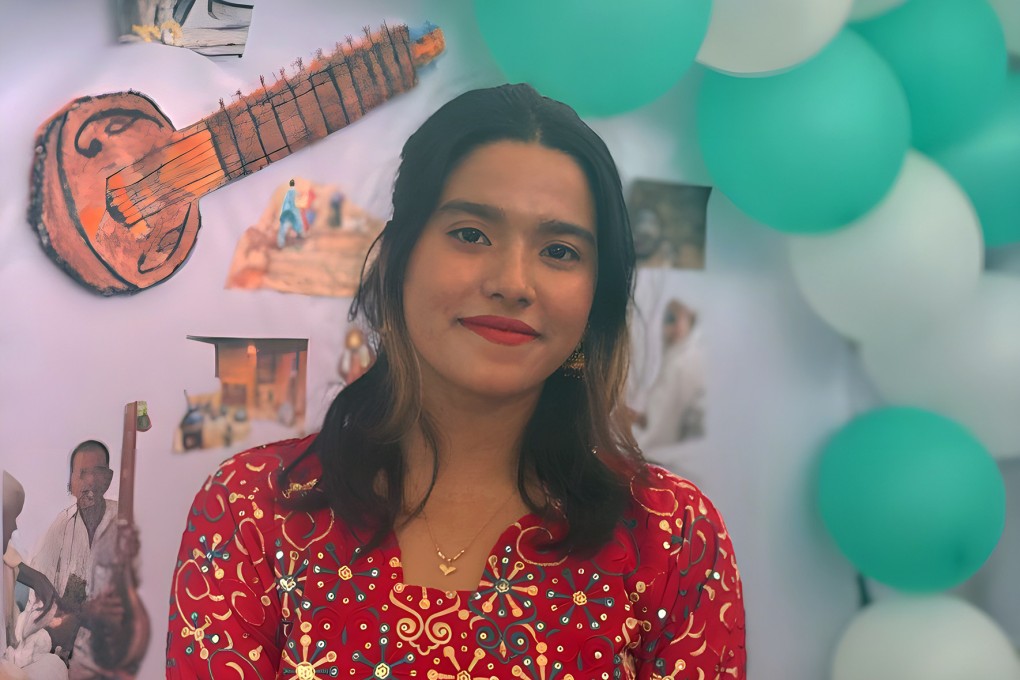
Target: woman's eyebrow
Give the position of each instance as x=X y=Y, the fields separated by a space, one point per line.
x=561 y=228
x=495 y=213
x=482 y=210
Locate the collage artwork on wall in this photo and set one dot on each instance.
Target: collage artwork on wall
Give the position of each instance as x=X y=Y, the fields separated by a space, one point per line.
x=772 y=356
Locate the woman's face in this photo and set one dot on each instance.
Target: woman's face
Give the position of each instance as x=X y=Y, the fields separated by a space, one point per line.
x=500 y=283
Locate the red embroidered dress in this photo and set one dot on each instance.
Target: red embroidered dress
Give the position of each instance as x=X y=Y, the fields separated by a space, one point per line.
x=261 y=592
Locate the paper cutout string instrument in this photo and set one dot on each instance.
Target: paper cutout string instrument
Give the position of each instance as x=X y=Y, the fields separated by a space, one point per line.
x=115 y=187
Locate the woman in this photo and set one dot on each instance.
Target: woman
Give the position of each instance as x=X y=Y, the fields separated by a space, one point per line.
x=475 y=505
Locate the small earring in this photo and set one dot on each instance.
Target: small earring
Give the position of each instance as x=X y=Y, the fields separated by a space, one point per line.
x=574 y=365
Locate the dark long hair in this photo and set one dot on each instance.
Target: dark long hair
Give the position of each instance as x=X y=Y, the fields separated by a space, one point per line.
x=577 y=444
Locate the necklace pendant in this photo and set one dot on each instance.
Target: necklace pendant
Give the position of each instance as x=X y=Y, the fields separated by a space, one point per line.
x=447 y=569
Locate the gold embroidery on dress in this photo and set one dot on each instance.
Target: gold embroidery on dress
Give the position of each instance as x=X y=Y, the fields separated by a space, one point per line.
x=296 y=487
x=411 y=628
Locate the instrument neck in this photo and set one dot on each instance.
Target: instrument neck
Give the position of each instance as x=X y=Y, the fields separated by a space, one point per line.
x=325 y=95
x=126 y=498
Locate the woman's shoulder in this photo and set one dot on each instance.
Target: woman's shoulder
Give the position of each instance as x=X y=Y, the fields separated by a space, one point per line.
x=258 y=468
x=685 y=588
x=658 y=492
x=668 y=512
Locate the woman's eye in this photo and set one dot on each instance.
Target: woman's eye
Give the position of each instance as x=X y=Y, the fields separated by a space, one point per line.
x=558 y=251
x=470 y=235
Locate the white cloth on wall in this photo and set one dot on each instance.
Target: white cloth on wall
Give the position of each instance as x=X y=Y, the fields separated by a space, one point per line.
x=47 y=667
x=675 y=403
x=32 y=660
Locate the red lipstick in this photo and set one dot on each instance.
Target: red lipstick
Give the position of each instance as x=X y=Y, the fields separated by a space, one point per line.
x=501 y=330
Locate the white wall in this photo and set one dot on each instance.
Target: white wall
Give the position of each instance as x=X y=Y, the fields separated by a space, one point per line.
x=69 y=360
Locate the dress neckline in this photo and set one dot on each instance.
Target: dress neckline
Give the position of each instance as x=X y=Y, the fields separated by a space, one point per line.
x=395 y=558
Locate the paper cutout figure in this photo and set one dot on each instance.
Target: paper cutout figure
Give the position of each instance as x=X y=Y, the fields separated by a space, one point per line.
x=327 y=260
x=290 y=218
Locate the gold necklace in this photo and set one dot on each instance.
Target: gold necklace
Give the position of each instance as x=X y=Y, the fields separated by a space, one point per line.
x=446 y=562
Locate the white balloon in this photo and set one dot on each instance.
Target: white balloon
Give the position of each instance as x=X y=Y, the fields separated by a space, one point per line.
x=1009 y=14
x=912 y=259
x=967 y=368
x=868 y=9
x=748 y=37
x=924 y=638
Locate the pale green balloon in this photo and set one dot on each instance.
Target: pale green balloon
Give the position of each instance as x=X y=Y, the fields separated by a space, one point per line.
x=986 y=163
x=911 y=498
x=950 y=56
x=811 y=149
x=602 y=57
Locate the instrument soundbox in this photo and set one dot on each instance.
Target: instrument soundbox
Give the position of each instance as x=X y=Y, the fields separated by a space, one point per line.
x=115 y=186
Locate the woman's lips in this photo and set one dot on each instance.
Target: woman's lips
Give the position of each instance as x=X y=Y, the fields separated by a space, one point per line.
x=501 y=330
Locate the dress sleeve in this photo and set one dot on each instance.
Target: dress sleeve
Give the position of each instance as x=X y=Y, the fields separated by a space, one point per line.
x=224 y=613
x=692 y=609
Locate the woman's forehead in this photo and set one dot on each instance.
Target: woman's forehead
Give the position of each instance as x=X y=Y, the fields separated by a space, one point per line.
x=511 y=179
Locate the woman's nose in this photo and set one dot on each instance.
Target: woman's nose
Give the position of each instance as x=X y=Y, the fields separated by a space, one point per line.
x=510 y=278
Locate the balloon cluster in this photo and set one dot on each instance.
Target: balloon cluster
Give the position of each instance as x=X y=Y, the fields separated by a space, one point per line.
x=884 y=137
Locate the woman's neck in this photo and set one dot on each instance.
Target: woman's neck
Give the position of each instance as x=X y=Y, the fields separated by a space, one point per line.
x=479 y=445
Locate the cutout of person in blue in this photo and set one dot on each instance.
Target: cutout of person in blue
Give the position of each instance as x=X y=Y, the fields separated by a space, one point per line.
x=290 y=217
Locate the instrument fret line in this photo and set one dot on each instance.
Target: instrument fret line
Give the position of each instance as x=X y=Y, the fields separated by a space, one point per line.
x=281 y=99
x=318 y=103
x=233 y=136
x=370 y=66
x=407 y=50
x=396 y=57
x=301 y=115
x=258 y=131
x=354 y=83
x=279 y=123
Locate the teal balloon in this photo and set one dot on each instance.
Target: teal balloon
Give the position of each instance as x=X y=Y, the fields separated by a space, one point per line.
x=986 y=163
x=912 y=498
x=602 y=57
x=950 y=56
x=810 y=149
